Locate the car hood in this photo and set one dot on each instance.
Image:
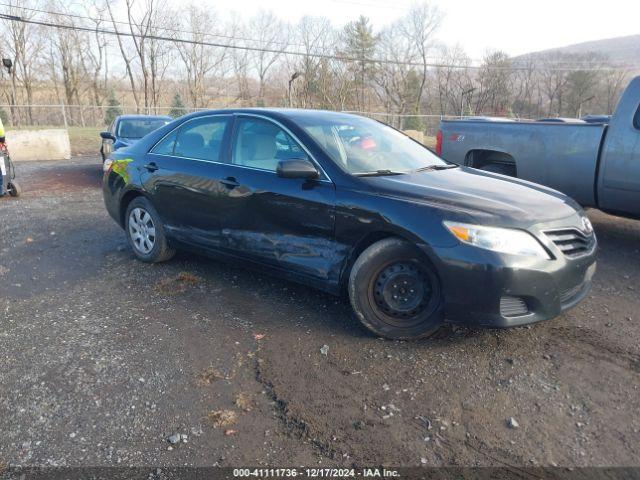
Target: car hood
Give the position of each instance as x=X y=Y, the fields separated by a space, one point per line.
x=496 y=199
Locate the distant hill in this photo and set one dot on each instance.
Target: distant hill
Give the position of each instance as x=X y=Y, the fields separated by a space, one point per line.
x=621 y=50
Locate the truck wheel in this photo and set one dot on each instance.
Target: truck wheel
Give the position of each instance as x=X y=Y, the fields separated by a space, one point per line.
x=145 y=232
x=395 y=292
x=501 y=168
x=14 y=189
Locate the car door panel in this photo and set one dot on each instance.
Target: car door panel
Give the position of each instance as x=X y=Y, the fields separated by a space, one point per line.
x=619 y=179
x=282 y=222
x=186 y=190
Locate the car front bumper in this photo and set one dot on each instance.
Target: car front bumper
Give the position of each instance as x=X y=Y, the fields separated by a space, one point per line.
x=481 y=288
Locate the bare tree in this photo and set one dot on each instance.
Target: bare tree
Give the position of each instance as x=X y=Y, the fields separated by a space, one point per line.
x=419 y=26
x=271 y=35
x=553 y=81
x=94 y=55
x=492 y=90
x=454 y=80
x=127 y=59
x=24 y=42
x=313 y=34
x=200 y=60
x=240 y=60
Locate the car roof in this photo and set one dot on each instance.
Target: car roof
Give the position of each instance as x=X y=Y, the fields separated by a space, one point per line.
x=289 y=113
x=141 y=116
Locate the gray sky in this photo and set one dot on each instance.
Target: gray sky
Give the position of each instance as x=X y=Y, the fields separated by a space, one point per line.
x=514 y=26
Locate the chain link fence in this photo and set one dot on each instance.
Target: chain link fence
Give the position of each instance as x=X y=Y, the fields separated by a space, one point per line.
x=65 y=116
x=89 y=119
x=97 y=116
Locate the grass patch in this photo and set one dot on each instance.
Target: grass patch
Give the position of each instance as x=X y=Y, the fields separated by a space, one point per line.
x=243 y=402
x=430 y=142
x=84 y=140
x=209 y=375
x=222 y=418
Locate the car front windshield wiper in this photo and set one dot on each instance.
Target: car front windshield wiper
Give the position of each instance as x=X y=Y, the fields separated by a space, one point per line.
x=446 y=166
x=378 y=173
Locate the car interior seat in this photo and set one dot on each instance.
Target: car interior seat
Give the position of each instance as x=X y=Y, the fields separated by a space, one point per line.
x=191 y=145
x=258 y=150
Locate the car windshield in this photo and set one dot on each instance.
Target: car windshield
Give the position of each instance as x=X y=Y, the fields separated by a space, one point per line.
x=363 y=146
x=139 y=127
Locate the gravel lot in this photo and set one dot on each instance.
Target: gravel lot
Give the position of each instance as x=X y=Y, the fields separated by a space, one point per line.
x=104 y=358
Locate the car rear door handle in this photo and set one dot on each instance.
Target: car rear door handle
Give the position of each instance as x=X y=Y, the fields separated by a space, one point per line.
x=230 y=182
x=152 y=167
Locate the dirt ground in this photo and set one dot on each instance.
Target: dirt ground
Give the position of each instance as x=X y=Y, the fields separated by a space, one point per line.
x=104 y=358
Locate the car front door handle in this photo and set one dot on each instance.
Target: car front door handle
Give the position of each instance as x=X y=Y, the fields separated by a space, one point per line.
x=152 y=167
x=230 y=182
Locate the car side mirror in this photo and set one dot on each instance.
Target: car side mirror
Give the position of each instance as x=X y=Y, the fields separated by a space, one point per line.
x=107 y=136
x=297 y=168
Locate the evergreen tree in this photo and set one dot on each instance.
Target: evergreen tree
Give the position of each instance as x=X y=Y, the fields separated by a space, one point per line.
x=113 y=109
x=411 y=94
x=4 y=117
x=414 y=123
x=360 y=44
x=177 y=107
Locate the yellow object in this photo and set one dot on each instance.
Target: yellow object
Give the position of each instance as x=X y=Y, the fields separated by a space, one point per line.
x=461 y=232
x=1 y=129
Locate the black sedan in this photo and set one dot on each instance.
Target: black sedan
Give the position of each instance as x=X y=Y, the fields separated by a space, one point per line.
x=349 y=205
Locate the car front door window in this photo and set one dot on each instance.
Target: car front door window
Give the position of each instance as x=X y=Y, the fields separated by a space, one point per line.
x=262 y=144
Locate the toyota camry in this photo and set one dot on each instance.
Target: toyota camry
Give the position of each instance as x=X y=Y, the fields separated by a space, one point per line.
x=352 y=206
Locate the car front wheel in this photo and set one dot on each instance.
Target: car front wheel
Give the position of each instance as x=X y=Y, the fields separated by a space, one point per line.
x=395 y=292
x=145 y=232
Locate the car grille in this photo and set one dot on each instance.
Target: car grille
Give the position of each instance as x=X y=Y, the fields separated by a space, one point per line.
x=513 y=307
x=572 y=242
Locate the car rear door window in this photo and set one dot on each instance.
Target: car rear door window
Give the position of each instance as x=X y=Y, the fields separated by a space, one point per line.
x=200 y=139
x=167 y=145
x=262 y=144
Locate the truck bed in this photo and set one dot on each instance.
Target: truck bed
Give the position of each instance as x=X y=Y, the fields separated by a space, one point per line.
x=540 y=150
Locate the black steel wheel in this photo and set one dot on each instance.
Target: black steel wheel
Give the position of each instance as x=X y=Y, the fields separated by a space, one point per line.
x=395 y=292
x=402 y=291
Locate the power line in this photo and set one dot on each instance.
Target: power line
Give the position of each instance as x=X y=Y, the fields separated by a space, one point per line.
x=284 y=51
x=517 y=65
x=168 y=29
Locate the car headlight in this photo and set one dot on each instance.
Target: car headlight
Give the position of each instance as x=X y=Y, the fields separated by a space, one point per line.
x=503 y=240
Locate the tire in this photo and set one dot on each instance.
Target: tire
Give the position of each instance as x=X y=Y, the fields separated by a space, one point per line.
x=501 y=168
x=145 y=232
x=380 y=300
x=14 y=189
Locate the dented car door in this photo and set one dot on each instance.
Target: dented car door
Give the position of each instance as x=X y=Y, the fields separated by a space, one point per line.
x=287 y=223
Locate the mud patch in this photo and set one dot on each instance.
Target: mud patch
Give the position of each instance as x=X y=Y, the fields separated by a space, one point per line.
x=177 y=284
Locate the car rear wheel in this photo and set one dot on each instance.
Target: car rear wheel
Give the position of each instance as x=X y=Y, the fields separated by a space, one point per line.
x=145 y=232
x=395 y=292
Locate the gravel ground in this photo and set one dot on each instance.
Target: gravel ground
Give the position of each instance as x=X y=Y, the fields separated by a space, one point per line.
x=104 y=358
